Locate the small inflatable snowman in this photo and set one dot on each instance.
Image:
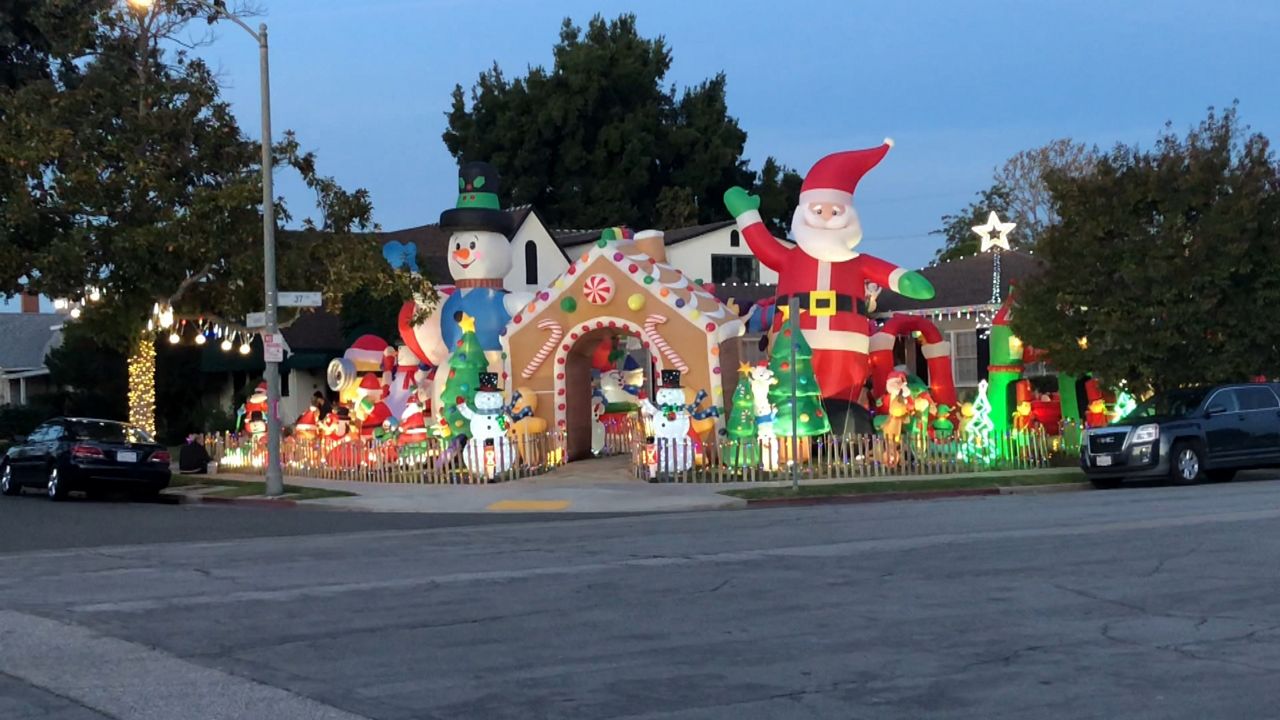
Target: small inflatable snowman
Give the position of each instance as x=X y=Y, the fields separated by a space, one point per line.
x=670 y=420
x=489 y=451
x=597 y=423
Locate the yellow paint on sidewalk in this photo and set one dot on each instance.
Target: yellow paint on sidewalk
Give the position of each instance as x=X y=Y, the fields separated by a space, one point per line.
x=529 y=505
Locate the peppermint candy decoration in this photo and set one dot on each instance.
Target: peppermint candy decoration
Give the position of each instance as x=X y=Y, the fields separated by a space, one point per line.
x=598 y=289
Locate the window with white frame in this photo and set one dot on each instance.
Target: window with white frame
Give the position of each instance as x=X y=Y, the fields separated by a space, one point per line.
x=964 y=357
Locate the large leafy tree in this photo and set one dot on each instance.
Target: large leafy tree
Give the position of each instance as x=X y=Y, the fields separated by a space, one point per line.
x=126 y=171
x=1164 y=266
x=599 y=138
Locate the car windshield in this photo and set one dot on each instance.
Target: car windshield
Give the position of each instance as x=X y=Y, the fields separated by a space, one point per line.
x=106 y=431
x=1175 y=403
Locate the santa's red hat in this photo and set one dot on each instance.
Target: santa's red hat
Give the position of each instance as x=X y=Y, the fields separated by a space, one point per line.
x=834 y=178
x=371 y=384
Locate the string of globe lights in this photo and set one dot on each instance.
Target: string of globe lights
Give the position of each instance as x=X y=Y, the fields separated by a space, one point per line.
x=164 y=322
x=202 y=330
x=75 y=308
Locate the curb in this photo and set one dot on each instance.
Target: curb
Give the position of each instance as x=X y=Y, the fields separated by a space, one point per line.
x=872 y=497
x=1045 y=489
x=244 y=502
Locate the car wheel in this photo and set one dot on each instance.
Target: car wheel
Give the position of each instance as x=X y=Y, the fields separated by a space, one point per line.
x=56 y=488
x=8 y=485
x=1221 y=475
x=1186 y=466
x=1106 y=483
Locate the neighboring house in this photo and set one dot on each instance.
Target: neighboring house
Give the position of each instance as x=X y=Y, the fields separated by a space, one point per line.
x=28 y=338
x=714 y=253
x=963 y=293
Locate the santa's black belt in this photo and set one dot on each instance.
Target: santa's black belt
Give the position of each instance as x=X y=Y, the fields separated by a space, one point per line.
x=821 y=303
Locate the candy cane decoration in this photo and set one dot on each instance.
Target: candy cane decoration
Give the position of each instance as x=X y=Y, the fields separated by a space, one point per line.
x=651 y=324
x=547 y=348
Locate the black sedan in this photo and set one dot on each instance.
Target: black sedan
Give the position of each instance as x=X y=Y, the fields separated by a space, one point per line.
x=68 y=454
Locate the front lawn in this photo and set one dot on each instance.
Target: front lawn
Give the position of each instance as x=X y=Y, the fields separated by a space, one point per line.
x=959 y=482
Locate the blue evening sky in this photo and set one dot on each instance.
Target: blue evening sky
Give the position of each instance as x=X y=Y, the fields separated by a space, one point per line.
x=959 y=85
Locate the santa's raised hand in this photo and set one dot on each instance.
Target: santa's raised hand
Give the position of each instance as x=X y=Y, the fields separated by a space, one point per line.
x=824 y=271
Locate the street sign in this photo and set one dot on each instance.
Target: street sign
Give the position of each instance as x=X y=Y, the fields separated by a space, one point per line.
x=255 y=320
x=299 y=299
x=274 y=347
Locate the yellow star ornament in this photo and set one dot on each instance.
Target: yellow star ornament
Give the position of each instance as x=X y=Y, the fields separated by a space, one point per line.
x=467 y=323
x=744 y=369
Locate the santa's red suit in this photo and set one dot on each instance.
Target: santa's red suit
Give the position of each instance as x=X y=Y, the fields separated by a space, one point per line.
x=824 y=272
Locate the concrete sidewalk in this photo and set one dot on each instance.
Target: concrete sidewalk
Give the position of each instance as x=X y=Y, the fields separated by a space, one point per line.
x=592 y=486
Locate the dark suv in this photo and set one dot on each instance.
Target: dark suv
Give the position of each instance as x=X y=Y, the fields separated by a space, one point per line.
x=1187 y=435
x=86 y=454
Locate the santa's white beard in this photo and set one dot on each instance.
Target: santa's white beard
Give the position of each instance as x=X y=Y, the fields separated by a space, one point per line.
x=826 y=244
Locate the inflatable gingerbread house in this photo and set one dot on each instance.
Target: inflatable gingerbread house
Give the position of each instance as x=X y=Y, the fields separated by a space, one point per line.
x=622 y=285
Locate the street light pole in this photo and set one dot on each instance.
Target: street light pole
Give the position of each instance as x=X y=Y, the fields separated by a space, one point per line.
x=275 y=478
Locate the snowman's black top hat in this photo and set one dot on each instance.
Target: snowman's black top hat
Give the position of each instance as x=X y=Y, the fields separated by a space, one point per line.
x=478 y=207
x=671 y=378
x=488 y=382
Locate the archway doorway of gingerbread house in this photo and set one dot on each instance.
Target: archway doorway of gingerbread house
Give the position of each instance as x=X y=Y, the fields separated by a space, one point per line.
x=581 y=383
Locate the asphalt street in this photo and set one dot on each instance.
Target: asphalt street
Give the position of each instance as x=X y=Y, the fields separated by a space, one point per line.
x=1151 y=602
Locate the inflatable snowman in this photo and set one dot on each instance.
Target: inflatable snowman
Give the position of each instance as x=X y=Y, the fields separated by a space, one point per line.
x=479 y=257
x=489 y=451
x=670 y=420
x=598 y=434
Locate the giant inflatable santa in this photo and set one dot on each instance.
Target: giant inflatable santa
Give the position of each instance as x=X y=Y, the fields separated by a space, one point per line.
x=825 y=271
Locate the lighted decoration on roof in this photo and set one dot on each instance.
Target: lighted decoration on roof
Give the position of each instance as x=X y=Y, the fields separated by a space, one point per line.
x=996 y=244
x=994 y=226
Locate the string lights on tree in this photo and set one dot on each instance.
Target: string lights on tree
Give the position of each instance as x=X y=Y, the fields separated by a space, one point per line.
x=142 y=384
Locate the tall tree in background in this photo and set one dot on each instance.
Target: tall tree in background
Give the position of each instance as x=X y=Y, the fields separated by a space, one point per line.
x=599 y=139
x=1024 y=175
x=1164 y=267
x=126 y=171
x=1020 y=193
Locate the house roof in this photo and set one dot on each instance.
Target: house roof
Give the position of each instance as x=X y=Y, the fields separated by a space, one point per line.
x=571 y=238
x=965 y=282
x=28 y=337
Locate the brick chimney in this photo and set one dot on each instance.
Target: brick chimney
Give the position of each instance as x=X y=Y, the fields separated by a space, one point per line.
x=30 y=303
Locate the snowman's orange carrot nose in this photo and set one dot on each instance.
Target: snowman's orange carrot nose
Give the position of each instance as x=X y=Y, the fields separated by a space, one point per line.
x=462 y=254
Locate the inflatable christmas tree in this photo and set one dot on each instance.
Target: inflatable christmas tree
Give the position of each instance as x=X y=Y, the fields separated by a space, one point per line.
x=810 y=417
x=741 y=423
x=463 y=379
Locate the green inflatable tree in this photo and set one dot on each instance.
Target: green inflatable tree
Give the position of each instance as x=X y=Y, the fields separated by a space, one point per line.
x=811 y=418
x=465 y=365
x=741 y=424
